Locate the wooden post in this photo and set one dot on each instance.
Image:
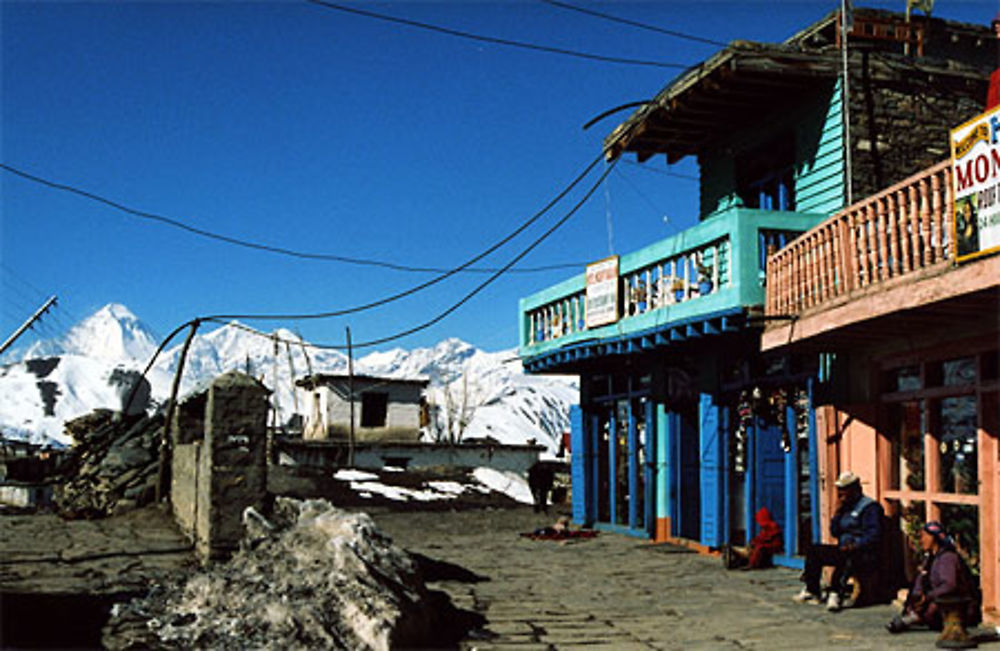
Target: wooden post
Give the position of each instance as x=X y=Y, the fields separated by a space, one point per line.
x=882 y=232
x=864 y=278
x=162 y=473
x=937 y=218
x=27 y=324
x=350 y=392
x=949 y=217
x=913 y=210
x=925 y=222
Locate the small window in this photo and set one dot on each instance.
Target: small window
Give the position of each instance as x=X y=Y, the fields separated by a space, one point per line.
x=373 y=409
x=765 y=175
x=906 y=378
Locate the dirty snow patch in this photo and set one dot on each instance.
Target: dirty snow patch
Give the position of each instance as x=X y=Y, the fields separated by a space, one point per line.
x=398 y=493
x=350 y=474
x=509 y=483
x=449 y=487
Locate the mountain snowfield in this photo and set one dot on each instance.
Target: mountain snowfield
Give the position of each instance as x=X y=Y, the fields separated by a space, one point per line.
x=481 y=393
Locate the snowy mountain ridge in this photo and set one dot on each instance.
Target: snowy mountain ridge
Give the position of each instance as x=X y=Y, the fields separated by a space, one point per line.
x=487 y=392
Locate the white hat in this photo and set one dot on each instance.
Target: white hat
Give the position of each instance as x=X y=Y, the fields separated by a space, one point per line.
x=846 y=479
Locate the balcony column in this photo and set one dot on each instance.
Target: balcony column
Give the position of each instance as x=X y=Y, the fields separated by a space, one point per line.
x=925 y=222
x=937 y=218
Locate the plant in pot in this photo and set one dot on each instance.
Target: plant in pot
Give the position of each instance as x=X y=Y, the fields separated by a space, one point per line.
x=678 y=286
x=705 y=283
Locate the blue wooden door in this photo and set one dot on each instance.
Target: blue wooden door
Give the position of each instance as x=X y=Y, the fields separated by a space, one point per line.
x=712 y=475
x=769 y=471
x=580 y=458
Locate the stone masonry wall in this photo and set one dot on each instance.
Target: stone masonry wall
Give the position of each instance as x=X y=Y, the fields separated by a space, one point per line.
x=236 y=459
x=900 y=118
x=220 y=470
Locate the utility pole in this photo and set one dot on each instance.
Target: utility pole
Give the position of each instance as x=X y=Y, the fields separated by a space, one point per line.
x=350 y=392
x=846 y=25
x=27 y=324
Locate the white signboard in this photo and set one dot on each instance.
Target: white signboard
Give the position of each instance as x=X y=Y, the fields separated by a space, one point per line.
x=602 y=292
x=975 y=161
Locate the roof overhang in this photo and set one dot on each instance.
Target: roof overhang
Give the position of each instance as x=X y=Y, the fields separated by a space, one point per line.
x=745 y=81
x=728 y=91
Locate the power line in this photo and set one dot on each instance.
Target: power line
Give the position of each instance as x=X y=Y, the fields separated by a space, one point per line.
x=256 y=245
x=656 y=170
x=649 y=202
x=195 y=322
x=430 y=282
x=495 y=40
x=423 y=326
x=634 y=23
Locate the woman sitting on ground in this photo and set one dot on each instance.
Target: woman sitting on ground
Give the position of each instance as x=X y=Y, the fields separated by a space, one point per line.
x=943 y=574
x=762 y=548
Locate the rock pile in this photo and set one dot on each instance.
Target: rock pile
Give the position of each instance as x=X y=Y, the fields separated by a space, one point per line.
x=311 y=576
x=112 y=467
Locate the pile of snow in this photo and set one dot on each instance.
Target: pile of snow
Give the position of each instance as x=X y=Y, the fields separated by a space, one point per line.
x=473 y=394
x=481 y=481
x=310 y=577
x=503 y=481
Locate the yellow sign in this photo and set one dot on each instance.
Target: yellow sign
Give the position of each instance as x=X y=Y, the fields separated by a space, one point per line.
x=975 y=164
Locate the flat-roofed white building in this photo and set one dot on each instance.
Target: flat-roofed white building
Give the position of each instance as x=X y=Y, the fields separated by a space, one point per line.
x=385 y=409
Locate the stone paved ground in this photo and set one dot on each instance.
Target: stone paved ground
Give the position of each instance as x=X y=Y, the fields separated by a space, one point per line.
x=616 y=592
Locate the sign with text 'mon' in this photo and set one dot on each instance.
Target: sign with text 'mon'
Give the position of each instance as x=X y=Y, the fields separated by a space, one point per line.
x=975 y=162
x=602 y=292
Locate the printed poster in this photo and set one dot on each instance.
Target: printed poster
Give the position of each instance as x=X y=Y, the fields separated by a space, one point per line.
x=602 y=292
x=975 y=161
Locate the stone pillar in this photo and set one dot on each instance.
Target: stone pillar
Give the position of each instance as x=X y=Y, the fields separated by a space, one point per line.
x=233 y=463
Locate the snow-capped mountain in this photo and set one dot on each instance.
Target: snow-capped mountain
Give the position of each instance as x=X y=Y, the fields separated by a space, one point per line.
x=111 y=334
x=488 y=393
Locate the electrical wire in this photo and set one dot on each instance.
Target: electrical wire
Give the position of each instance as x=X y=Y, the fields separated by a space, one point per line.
x=433 y=281
x=656 y=170
x=649 y=202
x=256 y=245
x=229 y=319
x=423 y=326
x=495 y=40
x=634 y=23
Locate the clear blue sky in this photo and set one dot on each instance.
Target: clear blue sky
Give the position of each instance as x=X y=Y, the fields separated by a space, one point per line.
x=290 y=124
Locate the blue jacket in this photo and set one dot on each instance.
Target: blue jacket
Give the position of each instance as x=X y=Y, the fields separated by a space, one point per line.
x=858 y=524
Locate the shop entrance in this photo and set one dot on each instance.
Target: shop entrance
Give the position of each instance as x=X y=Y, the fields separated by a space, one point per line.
x=623 y=453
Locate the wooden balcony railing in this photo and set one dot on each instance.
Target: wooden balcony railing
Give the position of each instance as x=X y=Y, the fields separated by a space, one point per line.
x=899 y=231
x=668 y=281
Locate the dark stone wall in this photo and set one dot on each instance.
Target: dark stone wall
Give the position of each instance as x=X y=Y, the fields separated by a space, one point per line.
x=901 y=116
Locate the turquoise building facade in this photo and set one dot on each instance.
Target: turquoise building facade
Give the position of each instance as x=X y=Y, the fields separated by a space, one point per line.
x=683 y=429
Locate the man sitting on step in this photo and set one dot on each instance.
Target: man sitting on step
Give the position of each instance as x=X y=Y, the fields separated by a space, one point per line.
x=856 y=525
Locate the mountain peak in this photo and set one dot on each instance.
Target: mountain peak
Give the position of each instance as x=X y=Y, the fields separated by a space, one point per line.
x=111 y=333
x=116 y=311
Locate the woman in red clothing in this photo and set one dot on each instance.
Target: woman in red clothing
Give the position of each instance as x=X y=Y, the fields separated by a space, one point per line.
x=762 y=548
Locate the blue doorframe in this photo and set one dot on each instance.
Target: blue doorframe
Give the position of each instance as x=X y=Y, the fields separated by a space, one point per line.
x=650 y=469
x=593 y=486
x=791 y=524
x=814 y=466
x=635 y=523
x=633 y=468
x=612 y=469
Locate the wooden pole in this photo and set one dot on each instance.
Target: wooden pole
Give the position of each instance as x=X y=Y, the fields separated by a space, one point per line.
x=350 y=391
x=162 y=470
x=27 y=324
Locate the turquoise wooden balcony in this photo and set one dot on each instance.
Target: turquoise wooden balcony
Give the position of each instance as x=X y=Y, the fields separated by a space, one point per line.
x=663 y=299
